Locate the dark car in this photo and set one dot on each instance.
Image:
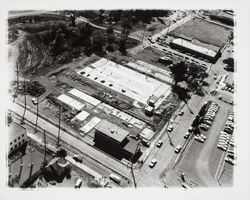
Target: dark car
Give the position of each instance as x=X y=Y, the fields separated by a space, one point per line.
x=77 y=158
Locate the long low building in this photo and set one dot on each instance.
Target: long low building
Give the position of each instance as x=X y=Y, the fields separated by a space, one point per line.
x=211 y=55
x=128 y=82
x=225 y=17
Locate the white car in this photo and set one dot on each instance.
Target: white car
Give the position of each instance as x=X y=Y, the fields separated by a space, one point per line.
x=230 y=161
x=159 y=143
x=152 y=163
x=203 y=137
x=181 y=113
x=178 y=148
x=199 y=139
x=34 y=101
x=170 y=128
x=186 y=135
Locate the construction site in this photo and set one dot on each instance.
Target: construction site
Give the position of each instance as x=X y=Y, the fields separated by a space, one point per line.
x=111 y=102
x=93 y=91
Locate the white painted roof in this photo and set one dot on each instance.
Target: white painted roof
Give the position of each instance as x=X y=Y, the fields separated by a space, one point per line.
x=70 y=101
x=84 y=97
x=194 y=47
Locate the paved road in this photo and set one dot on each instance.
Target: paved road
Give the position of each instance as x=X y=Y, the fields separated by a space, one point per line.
x=83 y=19
x=80 y=145
x=145 y=43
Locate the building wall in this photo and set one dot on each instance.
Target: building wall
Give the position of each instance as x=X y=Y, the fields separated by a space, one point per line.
x=111 y=146
x=17 y=141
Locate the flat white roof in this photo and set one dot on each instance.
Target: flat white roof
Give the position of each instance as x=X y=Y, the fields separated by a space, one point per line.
x=194 y=47
x=82 y=116
x=70 y=101
x=91 y=124
x=126 y=81
x=147 y=133
x=85 y=97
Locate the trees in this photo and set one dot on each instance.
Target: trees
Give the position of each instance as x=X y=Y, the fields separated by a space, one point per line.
x=61 y=153
x=98 y=41
x=110 y=30
x=110 y=40
x=122 y=46
x=230 y=64
x=179 y=71
x=86 y=30
x=181 y=92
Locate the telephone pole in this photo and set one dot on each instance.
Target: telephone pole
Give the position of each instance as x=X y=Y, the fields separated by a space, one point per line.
x=24 y=88
x=131 y=165
x=59 y=128
x=45 y=147
x=17 y=82
x=36 y=115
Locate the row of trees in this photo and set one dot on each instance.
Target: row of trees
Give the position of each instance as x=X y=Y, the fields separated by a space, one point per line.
x=135 y=16
x=187 y=78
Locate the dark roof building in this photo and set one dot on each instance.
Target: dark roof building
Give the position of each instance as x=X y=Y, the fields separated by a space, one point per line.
x=115 y=141
x=112 y=131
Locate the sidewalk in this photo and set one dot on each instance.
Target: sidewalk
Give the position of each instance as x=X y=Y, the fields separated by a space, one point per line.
x=80 y=145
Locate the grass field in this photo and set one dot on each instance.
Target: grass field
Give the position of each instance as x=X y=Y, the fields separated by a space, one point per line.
x=204 y=31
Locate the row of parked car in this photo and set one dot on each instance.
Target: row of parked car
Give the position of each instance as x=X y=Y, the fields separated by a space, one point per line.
x=229 y=126
x=230 y=157
x=224 y=140
x=208 y=118
x=228 y=88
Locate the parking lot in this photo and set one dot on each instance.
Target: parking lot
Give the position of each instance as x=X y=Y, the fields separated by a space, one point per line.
x=201 y=161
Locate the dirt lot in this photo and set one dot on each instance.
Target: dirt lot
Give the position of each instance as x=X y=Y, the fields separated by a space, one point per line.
x=204 y=31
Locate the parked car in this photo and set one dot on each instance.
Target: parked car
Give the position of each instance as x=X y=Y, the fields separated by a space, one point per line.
x=159 y=143
x=152 y=163
x=190 y=129
x=209 y=123
x=77 y=158
x=204 y=127
x=199 y=139
x=186 y=135
x=145 y=143
x=52 y=182
x=178 y=148
x=34 y=101
x=230 y=161
x=181 y=113
x=170 y=128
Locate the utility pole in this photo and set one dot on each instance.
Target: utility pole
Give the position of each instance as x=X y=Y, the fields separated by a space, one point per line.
x=36 y=114
x=59 y=128
x=45 y=147
x=24 y=88
x=17 y=82
x=131 y=165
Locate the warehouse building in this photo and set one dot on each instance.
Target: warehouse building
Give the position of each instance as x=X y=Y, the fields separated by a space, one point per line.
x=224 y=17
x=115 y=141
x=212 y=53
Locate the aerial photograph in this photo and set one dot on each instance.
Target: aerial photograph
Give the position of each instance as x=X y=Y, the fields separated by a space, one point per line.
x=120 y=98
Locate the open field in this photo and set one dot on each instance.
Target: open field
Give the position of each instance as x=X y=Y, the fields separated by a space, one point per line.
x=204 y=31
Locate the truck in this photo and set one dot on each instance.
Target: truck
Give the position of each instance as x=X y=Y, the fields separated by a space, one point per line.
x=115 y=178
